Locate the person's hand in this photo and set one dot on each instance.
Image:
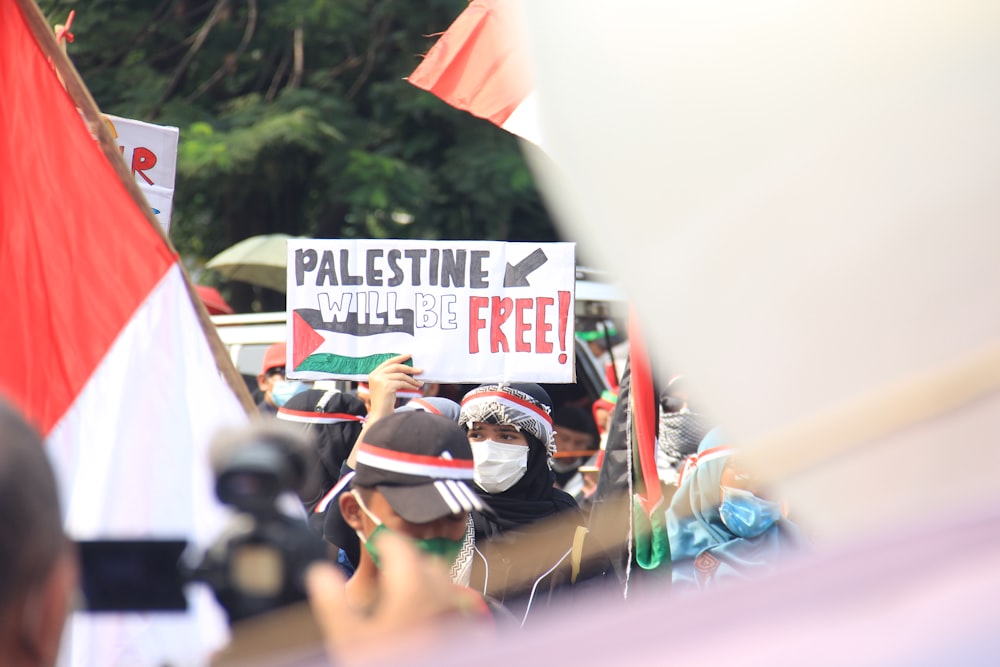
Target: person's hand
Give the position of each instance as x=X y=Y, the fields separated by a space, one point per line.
x=416 y=610
x=389 y=377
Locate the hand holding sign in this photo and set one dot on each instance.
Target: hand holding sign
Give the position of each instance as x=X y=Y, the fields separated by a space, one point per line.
x=389 y=377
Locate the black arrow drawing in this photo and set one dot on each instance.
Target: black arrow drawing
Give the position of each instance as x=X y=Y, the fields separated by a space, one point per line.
x=517 y=275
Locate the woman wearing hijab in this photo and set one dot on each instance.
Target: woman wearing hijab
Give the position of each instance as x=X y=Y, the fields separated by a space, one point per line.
x=719 y=525
x=523 y=550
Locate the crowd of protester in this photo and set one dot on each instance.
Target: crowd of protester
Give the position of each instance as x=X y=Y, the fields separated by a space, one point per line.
x=488 y=498
x=513 y=525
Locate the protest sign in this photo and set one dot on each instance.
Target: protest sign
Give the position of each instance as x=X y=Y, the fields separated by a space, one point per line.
x=151 y=153
x=468 y=311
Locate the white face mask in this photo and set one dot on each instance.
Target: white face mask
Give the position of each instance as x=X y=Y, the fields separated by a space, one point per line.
x=498 y=466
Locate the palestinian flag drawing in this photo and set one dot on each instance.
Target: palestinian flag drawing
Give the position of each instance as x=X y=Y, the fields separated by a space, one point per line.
x=314 y=342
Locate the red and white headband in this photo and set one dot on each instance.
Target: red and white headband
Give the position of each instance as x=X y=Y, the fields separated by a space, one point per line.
x=418 y=465
x=501 y=404
x=310 y=417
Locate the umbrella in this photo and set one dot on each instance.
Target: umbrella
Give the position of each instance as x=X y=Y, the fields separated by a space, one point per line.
x=213 y=301
x=259 y=260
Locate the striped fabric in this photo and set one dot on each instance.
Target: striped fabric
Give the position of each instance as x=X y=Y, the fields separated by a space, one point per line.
x=503 y=404
x=413 y=464
x=310 y=417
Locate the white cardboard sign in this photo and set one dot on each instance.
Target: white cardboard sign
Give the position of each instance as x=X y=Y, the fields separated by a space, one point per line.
x=150 y=151
x=468 y=311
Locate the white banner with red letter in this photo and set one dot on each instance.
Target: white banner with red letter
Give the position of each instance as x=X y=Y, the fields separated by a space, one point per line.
x=468 y=311
x=150 y=151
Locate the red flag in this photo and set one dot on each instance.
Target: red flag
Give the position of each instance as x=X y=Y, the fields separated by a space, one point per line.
x=103 y=348
x=652 y=547
x=70 y=232
x=645 y=419
x=479 y=65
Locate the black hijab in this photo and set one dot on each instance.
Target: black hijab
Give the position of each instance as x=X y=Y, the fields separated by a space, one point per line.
x=333 y=441
x=534 y=496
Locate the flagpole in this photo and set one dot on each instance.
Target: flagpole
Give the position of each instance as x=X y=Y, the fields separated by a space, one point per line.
x=42 y=32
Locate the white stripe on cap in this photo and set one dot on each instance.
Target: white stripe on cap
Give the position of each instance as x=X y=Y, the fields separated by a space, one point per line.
x=373 y=460
x=333 y=493
x=448 y=497
x=472 y=501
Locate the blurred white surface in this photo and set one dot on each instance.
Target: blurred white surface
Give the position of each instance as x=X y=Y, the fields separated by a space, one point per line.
x=801 y=198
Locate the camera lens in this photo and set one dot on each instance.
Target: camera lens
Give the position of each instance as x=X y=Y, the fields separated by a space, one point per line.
x=254 y=478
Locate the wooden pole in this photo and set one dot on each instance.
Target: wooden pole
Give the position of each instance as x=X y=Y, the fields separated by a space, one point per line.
x=45 y=37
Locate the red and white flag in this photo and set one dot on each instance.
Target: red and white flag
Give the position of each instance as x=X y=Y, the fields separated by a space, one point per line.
x=103 y=350
x=480 y=65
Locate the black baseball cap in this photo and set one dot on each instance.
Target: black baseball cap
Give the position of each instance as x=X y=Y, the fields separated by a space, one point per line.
x=420 y=463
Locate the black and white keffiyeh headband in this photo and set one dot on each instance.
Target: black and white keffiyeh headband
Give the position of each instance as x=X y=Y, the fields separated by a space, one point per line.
x=503 y=404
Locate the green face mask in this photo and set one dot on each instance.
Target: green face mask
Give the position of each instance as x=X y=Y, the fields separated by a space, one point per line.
x=438 y=547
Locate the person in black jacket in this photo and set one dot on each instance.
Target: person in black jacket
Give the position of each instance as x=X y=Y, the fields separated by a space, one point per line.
x=333 y=419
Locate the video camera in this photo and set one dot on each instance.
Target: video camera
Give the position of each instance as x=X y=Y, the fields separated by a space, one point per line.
x=256 y=565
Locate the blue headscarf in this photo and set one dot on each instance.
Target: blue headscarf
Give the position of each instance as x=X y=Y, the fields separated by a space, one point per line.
x=693 y=520
x=703 y=549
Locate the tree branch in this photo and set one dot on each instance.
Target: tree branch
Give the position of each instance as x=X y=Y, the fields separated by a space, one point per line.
x=297 y=60
x=199 y=41
x=350 y=63
x=230 y=62
x=279 y=74
x=379 y=31
x=136 y=38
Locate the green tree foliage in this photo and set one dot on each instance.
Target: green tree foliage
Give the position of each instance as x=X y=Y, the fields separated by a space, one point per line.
x=295 y=117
